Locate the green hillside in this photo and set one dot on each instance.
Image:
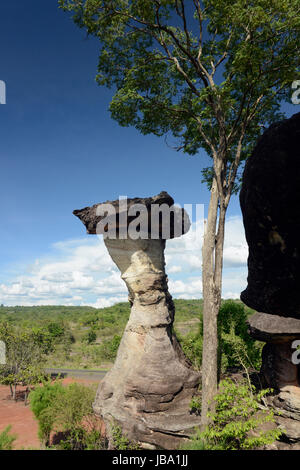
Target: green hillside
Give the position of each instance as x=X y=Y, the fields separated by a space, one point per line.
x=86 y=337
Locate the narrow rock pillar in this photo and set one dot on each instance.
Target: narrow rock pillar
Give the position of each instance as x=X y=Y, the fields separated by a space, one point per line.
x=150 y=386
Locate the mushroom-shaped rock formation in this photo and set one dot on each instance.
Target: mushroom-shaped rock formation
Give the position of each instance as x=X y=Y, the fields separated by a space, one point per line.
x=270 y=203
x=280 y=368
x=150 y=386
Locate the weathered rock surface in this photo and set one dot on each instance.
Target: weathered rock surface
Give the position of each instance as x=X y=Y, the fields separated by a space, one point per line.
x=270 y=201
x=120 y=220
x=150 y=386
x=275 y=328
x=277 y=370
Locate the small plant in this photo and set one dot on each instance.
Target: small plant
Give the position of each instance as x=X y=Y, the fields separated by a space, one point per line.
x=236 y=422
x=120 y=441
x=6 y=439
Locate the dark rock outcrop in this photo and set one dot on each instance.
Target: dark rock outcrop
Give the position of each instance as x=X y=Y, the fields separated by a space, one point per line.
x=174 y=224
x=270 y=203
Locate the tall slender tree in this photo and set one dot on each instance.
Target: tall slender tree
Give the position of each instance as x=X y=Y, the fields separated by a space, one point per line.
x=213 y=73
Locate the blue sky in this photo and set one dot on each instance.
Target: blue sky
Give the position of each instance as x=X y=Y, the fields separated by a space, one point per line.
x=61 y=151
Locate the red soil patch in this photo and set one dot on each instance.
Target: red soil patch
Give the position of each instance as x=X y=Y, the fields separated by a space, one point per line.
x=21 y=418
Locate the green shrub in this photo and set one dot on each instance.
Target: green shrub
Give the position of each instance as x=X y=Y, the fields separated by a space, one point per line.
x=237 y=419
x=236 y=347
x=80 y=438
x=192 y=346
x=69 y=413
x=6 y=439
x=90 y=337
x=109 y=348
x=40 y=400
x=120 y=441
x=67 y=409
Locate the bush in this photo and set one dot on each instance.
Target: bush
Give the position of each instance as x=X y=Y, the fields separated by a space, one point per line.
x=236 y=347
x=109 y=348
x=90 y=337
x=68 y=412
x=68 y=408
x=40 y=400
x=236 y=421
x=6 y=439
x=192 y=346
x=120 y=441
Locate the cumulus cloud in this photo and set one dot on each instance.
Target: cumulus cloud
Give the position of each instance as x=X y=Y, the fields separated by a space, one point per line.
x=81 y=272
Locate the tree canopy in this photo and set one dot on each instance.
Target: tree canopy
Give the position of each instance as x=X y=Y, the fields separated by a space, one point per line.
x=212 y=73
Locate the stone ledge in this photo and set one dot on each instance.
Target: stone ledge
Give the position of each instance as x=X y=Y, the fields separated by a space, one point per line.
x=273 y=328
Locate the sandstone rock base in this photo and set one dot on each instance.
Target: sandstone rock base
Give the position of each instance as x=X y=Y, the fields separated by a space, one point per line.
x=150 y=386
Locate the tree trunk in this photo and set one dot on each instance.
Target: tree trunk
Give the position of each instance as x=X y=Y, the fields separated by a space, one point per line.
x=15 y=392
x=212 y=264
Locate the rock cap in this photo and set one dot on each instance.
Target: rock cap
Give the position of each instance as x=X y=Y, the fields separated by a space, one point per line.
x=273 y=328
x=156 y=217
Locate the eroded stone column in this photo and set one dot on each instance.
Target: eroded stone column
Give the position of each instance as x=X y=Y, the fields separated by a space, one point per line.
x=270 y=200
x=278 y=370
x=150 y=386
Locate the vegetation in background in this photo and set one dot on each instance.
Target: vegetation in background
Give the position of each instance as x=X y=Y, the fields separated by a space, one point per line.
x=24 y=352
x=61 y=409
x=85 y=337
x=236 y=347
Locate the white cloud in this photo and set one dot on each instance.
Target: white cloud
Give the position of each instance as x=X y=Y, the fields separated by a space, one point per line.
x=174 y=269
x=81 y=272
x=107 y=302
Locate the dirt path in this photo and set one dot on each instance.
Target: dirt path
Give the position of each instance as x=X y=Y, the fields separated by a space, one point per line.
x=21 y=418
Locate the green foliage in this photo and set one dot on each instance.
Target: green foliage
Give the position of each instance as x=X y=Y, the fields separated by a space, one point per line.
x=90 y=337
x=197 y=70
x=7 y=439
x=62 y=410
x=40 y=400
x=236 y=345
x=74 y=348
x=24 y=353
x=109 y=348
x=192 y=346
x=81 y=438
x=70 y=406
x=237 y=348
x=55 y=329
x=237 y=420
x=120 y=441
